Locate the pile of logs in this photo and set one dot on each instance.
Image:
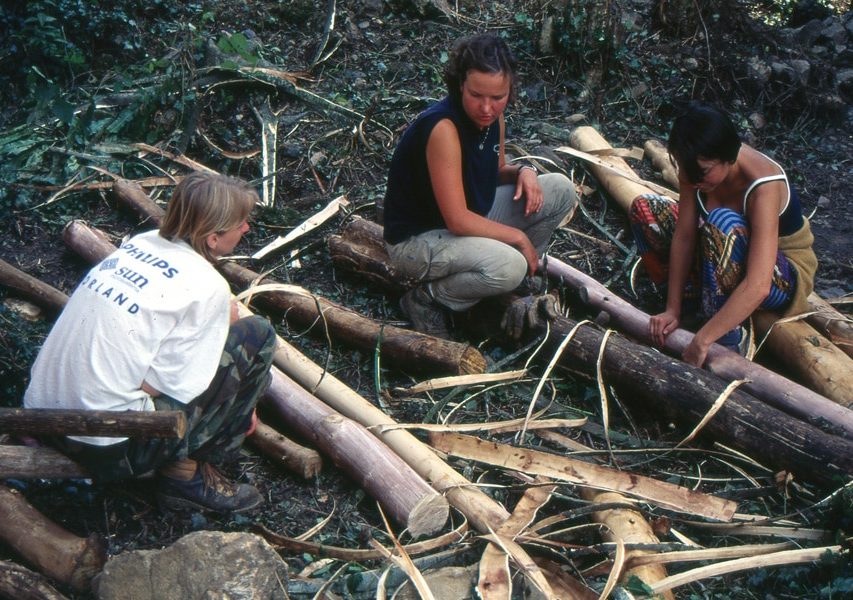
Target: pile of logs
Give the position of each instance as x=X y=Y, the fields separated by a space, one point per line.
x=806 y=431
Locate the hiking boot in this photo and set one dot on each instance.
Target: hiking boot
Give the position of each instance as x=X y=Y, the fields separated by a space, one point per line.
x=207 y=489
x=426 y=315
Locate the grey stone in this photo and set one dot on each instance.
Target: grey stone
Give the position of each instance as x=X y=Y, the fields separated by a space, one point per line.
x=200 y=565
x=758 y=72
x=808 y=34
x=803 y=69
x=784 y=72
x=844 y=81
x=836 y=33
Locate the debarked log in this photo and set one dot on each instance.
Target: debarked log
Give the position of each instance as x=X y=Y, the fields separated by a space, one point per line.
x=49 y=421
x=405 y=348
x=822 y=367
x=688 y=393
x=372 y=464
x=409 y=499
x=51 y=549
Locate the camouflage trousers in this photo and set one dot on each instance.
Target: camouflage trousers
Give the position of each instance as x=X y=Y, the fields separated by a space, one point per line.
x=217 y=420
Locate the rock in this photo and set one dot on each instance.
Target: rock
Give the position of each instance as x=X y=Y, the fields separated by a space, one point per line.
x=844 y=81
x=823 y=202
x=803 y=69
x=457 y=583
x=835 y=33
x=758 y=72
x=808 y=34
x=757 y=120
x=784 y=73
x=691 y=64
x=639 y=90
x=203 y=564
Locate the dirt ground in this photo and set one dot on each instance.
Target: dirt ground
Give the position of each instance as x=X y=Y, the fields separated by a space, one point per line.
x=384 y=61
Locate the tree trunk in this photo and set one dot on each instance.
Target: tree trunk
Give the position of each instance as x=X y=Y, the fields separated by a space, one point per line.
x=688 y=393
x=19 y=583
x=834 y=378
x=405 y=348
x=409 y=499
x=37 y=462
x=831 y=323
x=763 y=383
x=284 y=452
x=108 y=423
x=360 y=251
x=54 y=551
x=30 y=288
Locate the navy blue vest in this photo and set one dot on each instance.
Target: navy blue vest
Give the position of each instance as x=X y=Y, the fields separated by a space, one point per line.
x=410 y=206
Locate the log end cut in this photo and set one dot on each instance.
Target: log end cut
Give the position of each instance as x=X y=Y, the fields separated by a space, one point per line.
x=428 y=516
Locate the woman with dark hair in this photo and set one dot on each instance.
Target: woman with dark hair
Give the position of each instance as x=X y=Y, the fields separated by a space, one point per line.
x=153 y=327
x=737 y=240
x=459 y=218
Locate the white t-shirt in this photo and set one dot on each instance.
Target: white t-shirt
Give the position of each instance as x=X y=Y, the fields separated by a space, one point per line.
x=153 y=310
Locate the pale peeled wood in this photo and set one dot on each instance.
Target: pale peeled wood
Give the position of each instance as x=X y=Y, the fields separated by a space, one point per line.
x=837 y=387
x=631 y=527
x=812 y=357
x=524 y=460
x=659 y=156
x=410 y=500
x=51 y=549
x=378 y=470
x=832 y=324
x=408 y=349
x=284 y=452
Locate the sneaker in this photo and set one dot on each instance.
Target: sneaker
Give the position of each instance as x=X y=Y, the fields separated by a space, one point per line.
x=207 y=489
x=736 y=340
x=426 y=315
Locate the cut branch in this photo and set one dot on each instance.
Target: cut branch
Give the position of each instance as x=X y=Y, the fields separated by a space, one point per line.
x=284 y=452
x=107 y=423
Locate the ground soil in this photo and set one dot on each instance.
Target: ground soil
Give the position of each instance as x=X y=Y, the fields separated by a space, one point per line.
x=385 y=61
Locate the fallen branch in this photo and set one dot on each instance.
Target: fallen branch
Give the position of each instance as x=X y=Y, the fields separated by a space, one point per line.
x=38 y=462
x=284 y=452
x=20 y=583
x=31 y=289
x=107 y=423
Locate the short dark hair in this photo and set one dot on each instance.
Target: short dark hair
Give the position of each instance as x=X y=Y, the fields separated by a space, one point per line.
x=484 y=52
x=702 y=131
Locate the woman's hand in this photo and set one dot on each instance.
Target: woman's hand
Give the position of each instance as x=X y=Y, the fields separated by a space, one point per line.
x=527 y=186
x=661 y=325
x=696 y=351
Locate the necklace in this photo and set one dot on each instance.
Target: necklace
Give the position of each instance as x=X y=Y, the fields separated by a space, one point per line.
x=485 y=135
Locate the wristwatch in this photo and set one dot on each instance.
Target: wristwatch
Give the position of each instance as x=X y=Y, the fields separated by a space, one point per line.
x=527 y=165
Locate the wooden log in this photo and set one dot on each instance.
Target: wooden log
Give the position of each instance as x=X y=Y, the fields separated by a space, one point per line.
x=107 y=423
x=831 y=323
x=764 y=384
x=376 y=468
x=359 y=250
x=51 y=549
x=405 y=348
x=30 y=288
x=812 y=357
x=19 y=583
x=835 y=374
x=688 y=393
x=284 y=452
x=409 y=499
x=631 y=527
x=38 y=462
x=659 y=156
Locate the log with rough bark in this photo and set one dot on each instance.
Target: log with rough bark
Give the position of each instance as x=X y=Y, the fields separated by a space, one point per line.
x=19 y=583
x=360 y=251
x=762 y=383
x=631 y=527
x=107 y=423
x=30 y=288
x=824 y=369
x=405 y=348
x=37 y=462
x=53 y=550
x=284 y=452
x=409 y=499
x=688 y=394
x=825 y=318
